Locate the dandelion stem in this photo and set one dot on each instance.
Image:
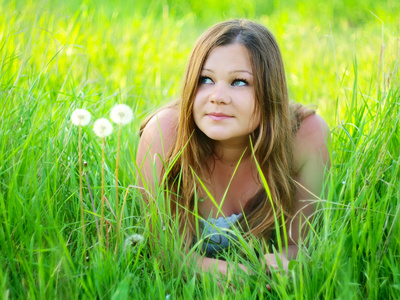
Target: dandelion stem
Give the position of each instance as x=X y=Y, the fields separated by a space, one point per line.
x=116 y=188
x=93 y=205
x=80 y=183
x=102 y=189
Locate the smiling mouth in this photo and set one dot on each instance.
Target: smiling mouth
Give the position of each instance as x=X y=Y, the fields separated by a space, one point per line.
x=218 y=116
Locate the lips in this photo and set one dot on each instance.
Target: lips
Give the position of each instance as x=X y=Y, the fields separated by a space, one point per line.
x=216 y=116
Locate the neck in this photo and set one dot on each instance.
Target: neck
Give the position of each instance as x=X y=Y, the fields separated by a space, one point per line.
x=228 y=154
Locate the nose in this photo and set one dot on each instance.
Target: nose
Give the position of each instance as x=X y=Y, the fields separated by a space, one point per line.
x=220 y=94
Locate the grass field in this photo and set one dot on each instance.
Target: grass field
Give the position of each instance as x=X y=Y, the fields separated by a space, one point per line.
x=56 y=56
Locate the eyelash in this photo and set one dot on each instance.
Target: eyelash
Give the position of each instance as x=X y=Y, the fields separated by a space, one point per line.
x=241 y=79
x=203 y=78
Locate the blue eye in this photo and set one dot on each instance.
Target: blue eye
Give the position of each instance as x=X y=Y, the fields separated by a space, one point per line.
x=240 y=82
x=205 y=80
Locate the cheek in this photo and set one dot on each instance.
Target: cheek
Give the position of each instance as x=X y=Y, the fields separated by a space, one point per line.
x=199 y=102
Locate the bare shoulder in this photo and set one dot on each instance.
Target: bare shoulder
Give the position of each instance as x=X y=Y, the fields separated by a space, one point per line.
x=311 y=139
x=165 y=121
x=159 y=134
x=313 y=129
x=312 y=161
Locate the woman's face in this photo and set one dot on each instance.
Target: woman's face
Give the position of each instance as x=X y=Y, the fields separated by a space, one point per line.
x=224 y=106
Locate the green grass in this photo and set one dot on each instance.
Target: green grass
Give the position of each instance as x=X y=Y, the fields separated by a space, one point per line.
x=57 y=57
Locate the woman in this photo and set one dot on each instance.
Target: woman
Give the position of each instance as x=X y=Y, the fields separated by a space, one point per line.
x=233 y=116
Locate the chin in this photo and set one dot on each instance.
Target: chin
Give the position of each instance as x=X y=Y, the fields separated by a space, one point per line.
x=215 y=136
x=219 y=137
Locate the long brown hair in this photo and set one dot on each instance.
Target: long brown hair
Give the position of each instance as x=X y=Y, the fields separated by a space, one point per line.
x=272 y=140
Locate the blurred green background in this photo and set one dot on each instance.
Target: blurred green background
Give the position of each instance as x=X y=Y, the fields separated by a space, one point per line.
x=56 y=56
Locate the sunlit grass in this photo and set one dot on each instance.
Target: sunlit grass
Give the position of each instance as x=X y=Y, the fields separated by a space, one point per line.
x=57 y=57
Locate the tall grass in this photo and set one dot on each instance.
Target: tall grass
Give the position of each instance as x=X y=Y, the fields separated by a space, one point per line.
x=56 y=57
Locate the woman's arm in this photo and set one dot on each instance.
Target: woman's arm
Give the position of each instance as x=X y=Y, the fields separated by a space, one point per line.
x=313 y=162
x=156 y=141
x=212 y=265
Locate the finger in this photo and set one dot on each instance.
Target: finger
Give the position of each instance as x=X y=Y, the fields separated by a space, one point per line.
x=272 y=266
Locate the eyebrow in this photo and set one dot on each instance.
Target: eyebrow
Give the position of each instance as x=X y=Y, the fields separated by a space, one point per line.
x=230 y=72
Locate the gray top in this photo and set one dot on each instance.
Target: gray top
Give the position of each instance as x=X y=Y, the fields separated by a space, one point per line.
x=215 y=234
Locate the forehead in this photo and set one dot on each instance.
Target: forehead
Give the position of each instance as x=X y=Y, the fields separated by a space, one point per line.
x=229 y=57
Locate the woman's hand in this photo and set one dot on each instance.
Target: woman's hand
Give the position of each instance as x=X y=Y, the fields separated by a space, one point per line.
x=277 y=262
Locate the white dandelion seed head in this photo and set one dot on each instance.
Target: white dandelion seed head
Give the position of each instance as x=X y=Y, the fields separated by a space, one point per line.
x=121 y=114
x=133 y=241
x=102 y=127
x=80 y=117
